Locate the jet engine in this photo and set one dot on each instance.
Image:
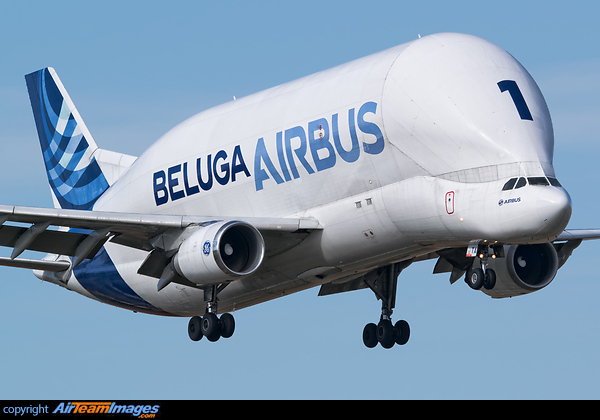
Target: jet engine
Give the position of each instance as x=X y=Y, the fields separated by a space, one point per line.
x=525 y=269
x=220 y=252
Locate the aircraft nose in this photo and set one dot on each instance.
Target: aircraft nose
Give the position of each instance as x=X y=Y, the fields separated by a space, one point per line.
x=554 y=209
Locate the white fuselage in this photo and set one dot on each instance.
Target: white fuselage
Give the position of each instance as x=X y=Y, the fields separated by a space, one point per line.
x=395 y=155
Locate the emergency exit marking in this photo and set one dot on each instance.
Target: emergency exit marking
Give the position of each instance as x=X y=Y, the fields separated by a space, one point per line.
x=450 y=202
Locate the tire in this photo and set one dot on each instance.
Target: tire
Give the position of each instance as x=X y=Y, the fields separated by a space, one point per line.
x=370 y=335
x=210 y=326
x=385 y=334
x=194 y=329
x=402 y=330
x=490 y=279
x=227 y=324
x=474 y=278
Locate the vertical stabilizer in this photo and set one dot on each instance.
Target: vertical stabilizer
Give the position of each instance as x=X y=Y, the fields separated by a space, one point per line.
x=68 y=148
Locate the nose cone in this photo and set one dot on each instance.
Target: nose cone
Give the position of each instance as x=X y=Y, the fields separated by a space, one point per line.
x=554 y=210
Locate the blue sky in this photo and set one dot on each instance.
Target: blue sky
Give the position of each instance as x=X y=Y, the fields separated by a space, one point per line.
x=136 y=69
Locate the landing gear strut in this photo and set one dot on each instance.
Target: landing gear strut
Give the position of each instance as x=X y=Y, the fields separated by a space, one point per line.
x=211 y=326
x=383 y=283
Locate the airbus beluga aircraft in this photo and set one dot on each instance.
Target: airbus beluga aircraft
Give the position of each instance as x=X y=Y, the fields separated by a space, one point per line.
x=438 y=148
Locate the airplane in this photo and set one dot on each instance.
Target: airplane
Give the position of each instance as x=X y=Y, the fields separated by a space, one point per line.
x=439 y=148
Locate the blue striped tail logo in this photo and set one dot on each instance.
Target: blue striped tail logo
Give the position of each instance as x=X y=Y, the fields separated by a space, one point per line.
x=74 y=175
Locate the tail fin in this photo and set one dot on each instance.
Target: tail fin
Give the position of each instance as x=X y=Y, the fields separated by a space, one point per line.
x=68 y=148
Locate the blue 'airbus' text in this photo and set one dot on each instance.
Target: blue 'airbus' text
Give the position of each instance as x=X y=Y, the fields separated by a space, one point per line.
x=314 y=148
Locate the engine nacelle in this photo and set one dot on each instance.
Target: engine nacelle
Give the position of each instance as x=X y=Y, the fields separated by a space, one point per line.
x=525 y=269
x=220 y=252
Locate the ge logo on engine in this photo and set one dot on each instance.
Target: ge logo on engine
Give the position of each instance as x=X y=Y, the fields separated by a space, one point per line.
x=206 y=248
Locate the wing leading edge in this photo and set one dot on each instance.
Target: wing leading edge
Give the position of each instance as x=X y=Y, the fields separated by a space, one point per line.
x=82 y=233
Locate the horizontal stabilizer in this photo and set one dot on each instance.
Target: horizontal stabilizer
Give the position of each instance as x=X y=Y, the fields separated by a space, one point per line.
x=35 y=264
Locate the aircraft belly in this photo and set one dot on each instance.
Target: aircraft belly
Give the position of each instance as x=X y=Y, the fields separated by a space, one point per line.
x=172 y=300
x=357 y=234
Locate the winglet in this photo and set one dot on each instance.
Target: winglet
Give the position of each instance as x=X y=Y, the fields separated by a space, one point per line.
x=68 y=148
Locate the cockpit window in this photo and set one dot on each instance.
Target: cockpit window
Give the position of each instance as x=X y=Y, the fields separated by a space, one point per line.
x=537 y=180
x=554 y=182
x=534 y=180
x=521 y=183
x=510 y=184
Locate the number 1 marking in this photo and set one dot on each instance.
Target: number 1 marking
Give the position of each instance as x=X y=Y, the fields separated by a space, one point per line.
x=517 y=97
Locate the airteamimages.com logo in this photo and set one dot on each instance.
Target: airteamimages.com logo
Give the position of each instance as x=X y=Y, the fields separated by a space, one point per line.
x=141 y=411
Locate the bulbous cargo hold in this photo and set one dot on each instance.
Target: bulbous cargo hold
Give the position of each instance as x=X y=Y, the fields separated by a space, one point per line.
x=405 y=112
x=455 y=104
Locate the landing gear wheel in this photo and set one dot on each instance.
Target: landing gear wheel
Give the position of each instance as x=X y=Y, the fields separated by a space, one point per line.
x=194 y=329
x=386 y=334
x=402 y=330
x=490 y=279
x=370 y=335
x=210 y=326
x=227 y=325
x=475 y=278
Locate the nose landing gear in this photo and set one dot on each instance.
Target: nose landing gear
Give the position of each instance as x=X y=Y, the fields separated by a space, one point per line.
x=485 y=277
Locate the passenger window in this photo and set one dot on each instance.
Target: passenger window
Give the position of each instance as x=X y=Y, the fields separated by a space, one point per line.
x=521 y=183
x=538 y=180
x=510 y=184
x=554 y=182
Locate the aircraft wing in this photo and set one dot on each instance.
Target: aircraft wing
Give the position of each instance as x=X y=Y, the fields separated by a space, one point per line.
x=453 y=261
x=82 y=233
x=575 y=234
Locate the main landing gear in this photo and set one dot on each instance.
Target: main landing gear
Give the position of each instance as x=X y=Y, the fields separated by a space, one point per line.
x=209 y=325
x=383 y=283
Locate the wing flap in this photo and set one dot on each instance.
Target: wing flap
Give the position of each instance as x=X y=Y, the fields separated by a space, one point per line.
x=52 y=241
